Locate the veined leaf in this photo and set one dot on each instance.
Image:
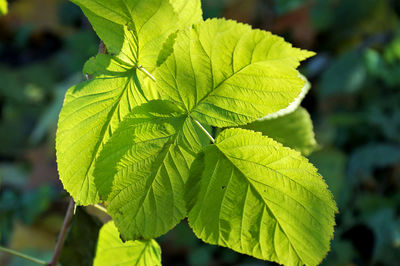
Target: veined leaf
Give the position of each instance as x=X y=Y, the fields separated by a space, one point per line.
x=112 y=251
x=135 y=32
x=294 y=130
x=189 y=11
x=293 y=105
x=142 y=170
x=3 y=7
x=91 y=112
x=226 y=74
x=253 y=195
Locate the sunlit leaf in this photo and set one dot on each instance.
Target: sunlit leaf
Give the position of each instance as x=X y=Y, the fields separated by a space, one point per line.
x=253 y=195
x=112 y=251
x=142 y=170
x=134 y=31
x=294 y=130
x=224 y=73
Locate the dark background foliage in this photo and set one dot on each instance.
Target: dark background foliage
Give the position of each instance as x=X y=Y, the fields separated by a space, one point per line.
x=354 y=102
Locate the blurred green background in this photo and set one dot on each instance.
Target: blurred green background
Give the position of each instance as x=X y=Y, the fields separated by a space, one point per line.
x=354 y=103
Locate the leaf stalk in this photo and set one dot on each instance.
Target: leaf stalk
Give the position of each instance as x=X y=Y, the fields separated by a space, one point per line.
x=141 y=68
x=100 y=208
x=204 y=130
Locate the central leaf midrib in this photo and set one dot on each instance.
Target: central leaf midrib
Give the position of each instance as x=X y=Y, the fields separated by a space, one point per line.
x=218 y=86
x=212 y=75
x=250 y=179
x=279 y=173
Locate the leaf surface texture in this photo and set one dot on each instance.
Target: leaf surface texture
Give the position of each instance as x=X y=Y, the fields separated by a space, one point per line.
x=134 y=32
x=225 y=73
x=253 y=195
x=142 y=170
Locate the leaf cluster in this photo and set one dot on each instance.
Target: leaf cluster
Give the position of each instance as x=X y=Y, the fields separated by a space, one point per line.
x=136 y=136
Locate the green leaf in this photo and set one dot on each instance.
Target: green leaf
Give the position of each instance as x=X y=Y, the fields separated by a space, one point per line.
x=253 y=195
x=112 y=251
x=167 y=49
x=91 y=112
x=226 y=74
x=293 y=105
x=135 y=31
x=294 y=130
x=3 y=7
x=189 y=11
x=142 y=170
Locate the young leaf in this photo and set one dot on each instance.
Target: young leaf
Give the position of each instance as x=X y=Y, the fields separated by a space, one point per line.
x=294 y=130
x=142 y=170
x=135 y=31
x=226 y=74
x=112 y=251
x=253 y=195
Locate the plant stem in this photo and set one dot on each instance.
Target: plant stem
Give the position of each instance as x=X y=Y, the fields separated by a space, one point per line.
x=102 y=48
x=204 y=130
x=100 y=208
x=63 y=233
x=21 y=255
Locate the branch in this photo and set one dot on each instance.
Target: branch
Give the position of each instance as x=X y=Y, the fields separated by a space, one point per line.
x=63 y=233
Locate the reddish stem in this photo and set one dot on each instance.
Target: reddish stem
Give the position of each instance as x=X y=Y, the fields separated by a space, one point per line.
x=63 y=233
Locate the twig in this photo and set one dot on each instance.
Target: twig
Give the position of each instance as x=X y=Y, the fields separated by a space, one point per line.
x=63 y=233
x=21 y=255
